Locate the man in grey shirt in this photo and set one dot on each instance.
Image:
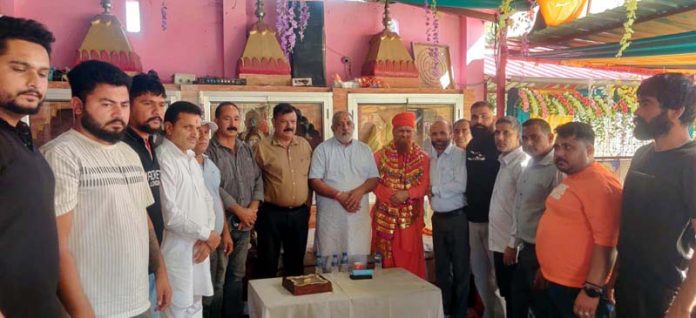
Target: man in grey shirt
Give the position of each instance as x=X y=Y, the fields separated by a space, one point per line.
x=241 y=190
x=534 y=185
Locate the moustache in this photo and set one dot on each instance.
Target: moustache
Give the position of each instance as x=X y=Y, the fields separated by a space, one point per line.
x=123 y=123
x=154 y=118
x=288 y=130
x=232 y=128
x=31 y=92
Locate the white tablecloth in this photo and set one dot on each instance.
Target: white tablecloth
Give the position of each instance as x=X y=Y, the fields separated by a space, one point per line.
x=393 y=292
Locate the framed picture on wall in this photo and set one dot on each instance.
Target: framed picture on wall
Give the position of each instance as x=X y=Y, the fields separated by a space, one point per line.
x=434 y=65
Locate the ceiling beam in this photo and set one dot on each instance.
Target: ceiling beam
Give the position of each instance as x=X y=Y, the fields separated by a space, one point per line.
x=469 y=13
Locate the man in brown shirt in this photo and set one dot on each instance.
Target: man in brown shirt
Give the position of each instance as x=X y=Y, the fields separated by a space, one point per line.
x=283 y=218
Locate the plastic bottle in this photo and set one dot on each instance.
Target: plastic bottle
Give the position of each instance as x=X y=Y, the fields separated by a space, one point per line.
x=319 y=266
x=334 y=264
x=378 y=262
x=344 y=262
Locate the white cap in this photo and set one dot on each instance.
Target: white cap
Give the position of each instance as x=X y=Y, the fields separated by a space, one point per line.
x=213 y=126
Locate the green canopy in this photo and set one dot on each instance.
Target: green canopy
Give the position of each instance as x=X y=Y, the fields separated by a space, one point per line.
x=470 y=4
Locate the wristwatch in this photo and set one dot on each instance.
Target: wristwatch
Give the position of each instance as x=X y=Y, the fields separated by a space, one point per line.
x=592 y=291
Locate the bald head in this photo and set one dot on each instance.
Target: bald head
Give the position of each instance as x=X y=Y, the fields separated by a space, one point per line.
x=440 y=135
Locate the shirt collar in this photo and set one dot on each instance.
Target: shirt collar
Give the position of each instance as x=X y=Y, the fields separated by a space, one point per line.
x=22 y=131
x=546 y=160
x=170 y=146
x=511 y=156
x=275 y=142
x=216 y=143
x=447 y=151
x=131 y=133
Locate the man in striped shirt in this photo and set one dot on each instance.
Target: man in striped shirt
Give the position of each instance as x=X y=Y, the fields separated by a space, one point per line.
x=101 y=197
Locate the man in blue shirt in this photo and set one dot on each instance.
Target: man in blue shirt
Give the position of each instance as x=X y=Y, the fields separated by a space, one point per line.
x=450 y=224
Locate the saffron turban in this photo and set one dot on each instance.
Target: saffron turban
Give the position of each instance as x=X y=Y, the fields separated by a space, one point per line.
x=404 y=119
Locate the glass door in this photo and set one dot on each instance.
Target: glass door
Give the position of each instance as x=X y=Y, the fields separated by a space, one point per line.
x=373 y=114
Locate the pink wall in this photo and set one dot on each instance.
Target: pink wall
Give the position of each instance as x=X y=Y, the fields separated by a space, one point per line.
x=207 y=37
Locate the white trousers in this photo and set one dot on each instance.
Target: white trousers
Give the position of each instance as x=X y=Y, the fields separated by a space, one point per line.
x=193 y=311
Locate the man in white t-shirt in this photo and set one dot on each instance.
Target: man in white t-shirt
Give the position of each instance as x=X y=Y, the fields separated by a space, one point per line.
x=188 y=212
x=101 y=198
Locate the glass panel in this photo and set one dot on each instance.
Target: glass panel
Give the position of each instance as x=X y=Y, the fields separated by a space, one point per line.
x=374 y=121
x=53 y=119
x=257 y=121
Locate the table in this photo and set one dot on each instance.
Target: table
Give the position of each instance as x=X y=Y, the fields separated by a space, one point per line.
x=393 y=292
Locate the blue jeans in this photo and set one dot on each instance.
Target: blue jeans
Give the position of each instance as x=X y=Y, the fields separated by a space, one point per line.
x=153 y=297
x=232 y=302
x=212 y=306
x=563 y=300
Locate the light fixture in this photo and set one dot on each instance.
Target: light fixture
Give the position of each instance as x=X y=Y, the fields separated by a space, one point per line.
x=132 y=16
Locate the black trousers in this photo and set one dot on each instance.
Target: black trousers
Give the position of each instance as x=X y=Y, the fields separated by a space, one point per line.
x=452 y=269
x=563 y=300
x=287 y=227
x=503 y=278
x=524 y=295
x=635 y=300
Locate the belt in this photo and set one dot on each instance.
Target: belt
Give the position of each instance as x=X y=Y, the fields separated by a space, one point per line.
x=273 y=207
x=528 y=245
x=460 y=211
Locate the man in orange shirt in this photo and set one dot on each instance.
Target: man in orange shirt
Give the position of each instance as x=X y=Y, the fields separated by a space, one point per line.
x=578 y=233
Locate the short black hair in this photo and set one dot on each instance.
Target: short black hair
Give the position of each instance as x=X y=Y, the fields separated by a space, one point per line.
x=580 y=131
x=482 y=103
x=510 y=120
x=85 y=77
x=144 y=83
x=282 y=109
x=12 y=28
x=542 y=124
x=672 y=91
x=173 y=111
x=221 y=106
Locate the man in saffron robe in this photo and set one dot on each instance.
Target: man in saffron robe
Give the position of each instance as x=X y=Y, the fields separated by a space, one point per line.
x=397 y=216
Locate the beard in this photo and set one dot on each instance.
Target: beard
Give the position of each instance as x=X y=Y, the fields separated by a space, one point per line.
x=658 y=126
x=146 y=128
x=344 y=138
x=440 y=145
x=91 y=125
x=478 y=131
x=13 y=107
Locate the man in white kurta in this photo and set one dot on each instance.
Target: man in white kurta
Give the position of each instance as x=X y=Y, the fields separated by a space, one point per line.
x=189 y=217
x=343 y=173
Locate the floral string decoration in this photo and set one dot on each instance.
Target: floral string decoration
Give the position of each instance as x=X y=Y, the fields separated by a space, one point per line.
x=432 y=32
x=304 y=18
x=631 y=7
x=163 y=13
x=289 y=24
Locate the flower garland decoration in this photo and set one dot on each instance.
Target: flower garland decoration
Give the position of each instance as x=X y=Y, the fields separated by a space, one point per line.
x=543 y=108
x=504 y=12
x=304 y=18
x=524 y=99
x=288 y=23
x=163 y=13
x=432 y=32
x=631 y=7
x=604 y=103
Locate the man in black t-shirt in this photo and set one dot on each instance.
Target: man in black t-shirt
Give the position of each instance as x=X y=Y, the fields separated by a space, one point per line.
x=147 y=99
x=29 y=270
x=482 y=169
x=659 y=205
